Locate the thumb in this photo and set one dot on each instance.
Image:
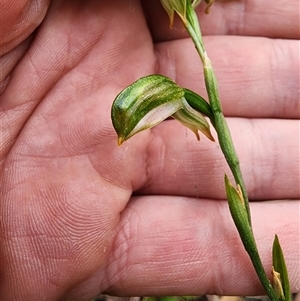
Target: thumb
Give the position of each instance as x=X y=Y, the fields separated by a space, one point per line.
x=18 y=20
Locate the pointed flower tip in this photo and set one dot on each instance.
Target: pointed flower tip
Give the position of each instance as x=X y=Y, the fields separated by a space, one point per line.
x=171 y=17
x=207 y=133
x=178 y=6
x=211 y=138
x=209 y=4
x=120 y=141
x=171 y=24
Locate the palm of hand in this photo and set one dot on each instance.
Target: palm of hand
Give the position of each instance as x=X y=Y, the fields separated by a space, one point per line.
x=63 y=177
x=65 y=182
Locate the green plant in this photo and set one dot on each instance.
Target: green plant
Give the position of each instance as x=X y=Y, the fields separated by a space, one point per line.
x=152 y=99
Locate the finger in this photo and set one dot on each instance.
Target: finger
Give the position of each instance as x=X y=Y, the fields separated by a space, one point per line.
x=178 y=164
x=9 y=61
x=182 y=246
x=168 y=159
x=49 y=57
x=67 y=36
x=19 y=20
x=247 y=18
x=256 y=77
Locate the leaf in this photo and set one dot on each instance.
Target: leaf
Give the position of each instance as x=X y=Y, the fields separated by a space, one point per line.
x=238 y=211
x=240 y=217
x=280 y=267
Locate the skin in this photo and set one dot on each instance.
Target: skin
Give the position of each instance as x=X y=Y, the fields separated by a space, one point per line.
x=81 y=216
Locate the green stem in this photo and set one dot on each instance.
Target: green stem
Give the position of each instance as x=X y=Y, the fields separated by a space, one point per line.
x=226 y=143
x=223 y=132
x=220 y=125
x=193 y=28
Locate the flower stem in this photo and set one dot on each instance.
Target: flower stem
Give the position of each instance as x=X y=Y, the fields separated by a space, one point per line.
x=220 y=125
x=223 y=132
x=226 y=144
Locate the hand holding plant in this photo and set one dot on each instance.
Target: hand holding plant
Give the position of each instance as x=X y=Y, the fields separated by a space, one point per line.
x=80 y=215
x=152 y=99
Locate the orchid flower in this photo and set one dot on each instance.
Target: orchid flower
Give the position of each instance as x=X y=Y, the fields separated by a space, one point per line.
x=152 y=99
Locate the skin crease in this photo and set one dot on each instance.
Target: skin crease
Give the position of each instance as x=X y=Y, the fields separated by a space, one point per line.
x=81 y=216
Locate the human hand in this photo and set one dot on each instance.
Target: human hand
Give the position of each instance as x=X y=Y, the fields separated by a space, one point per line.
x=81 y=216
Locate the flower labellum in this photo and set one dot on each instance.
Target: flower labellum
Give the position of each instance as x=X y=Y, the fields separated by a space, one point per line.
x=193 y=120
